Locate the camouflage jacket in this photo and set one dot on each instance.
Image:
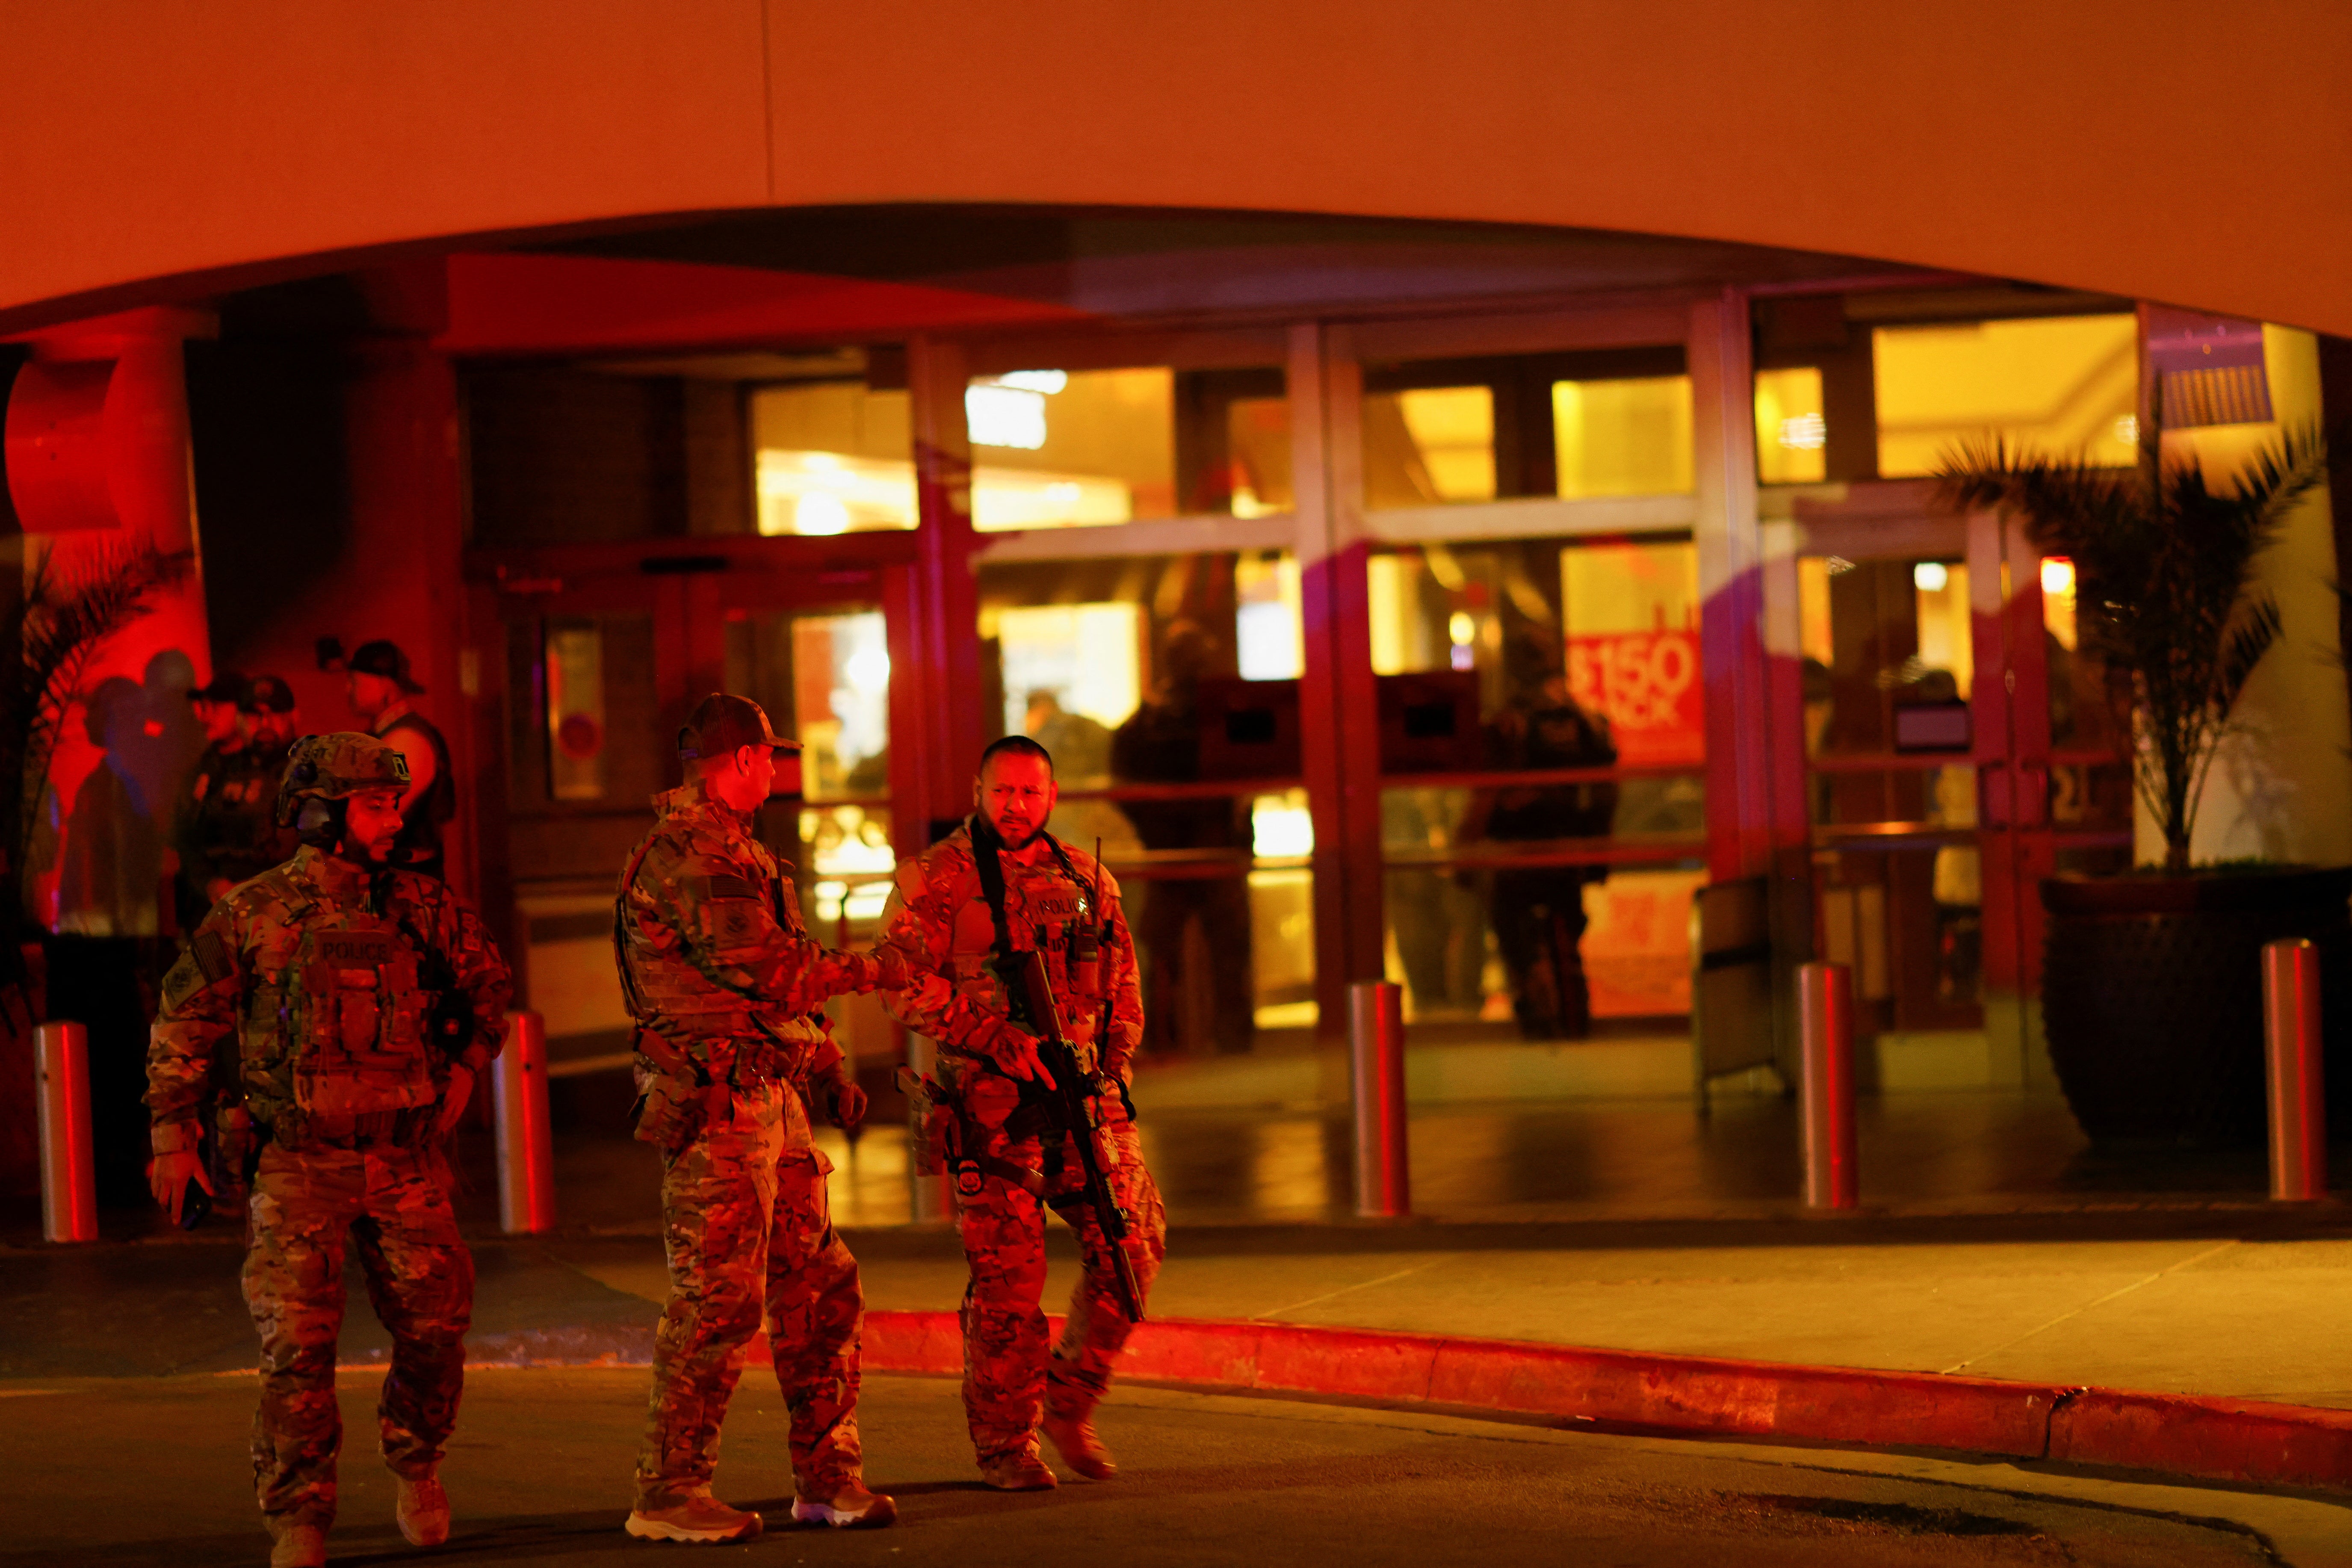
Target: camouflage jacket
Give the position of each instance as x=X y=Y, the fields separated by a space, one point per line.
x=711 y=947
x=237 y=979
x=228 y=825
x=939 y=920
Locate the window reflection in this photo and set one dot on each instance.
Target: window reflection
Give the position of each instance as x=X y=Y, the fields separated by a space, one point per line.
x=832 y=457
x=1450 y=432
x=1165 y=688
x=824 y=679
x=1055 y=448
x=1628 y=437
x=2061 y=385
x=1791 y=431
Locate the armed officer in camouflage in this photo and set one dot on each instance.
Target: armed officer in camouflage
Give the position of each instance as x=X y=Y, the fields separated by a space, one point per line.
x=964 y=915
x=725 y=985
x=356 y=1006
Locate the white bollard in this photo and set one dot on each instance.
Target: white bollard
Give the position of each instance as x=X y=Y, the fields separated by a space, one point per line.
x=69 y=1162
x=526 y=1141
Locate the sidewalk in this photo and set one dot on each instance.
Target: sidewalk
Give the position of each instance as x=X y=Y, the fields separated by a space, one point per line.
x=1657 y=1249
x=2250 y=1304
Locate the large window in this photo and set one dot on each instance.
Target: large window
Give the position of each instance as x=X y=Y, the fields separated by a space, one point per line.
x=1055 y=448
x=1165 y=688
x=1448 y=432
x=832 y=457
x=2063 y=386
x=1543 y=738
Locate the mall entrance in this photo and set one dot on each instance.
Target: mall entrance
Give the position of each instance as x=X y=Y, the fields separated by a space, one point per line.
x=1960 y=747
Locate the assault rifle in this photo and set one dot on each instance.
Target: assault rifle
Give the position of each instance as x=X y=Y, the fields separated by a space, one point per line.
x=1074 y=1106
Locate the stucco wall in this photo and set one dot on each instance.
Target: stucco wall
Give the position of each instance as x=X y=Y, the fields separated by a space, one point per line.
x=2143 y=149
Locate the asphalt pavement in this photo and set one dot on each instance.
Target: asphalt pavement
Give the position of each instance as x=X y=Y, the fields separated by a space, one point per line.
x=152 y=1471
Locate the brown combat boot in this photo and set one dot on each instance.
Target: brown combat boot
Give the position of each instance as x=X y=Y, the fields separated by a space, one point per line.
x=421 y=1509
x=1019 y=1471
x=1072 y=1435
x=298 y=1545
x=848 y=1507
x=701 y=1520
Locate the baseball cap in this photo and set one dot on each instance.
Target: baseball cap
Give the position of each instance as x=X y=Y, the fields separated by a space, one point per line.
x=227 y=686
x=267 y=694
x=384 y=658
x=719 y=724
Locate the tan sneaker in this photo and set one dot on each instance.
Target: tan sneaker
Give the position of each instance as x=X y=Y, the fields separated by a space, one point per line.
x=851 y=1508
x=701 y=1520
x=1020 y=1472
x=422 y=1508
x=297 y=1546
x=1074 y=1438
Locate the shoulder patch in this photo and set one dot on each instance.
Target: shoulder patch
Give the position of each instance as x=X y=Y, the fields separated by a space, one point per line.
x=912 y=880
x=182 y=980
x=722 y=886
x=212 y=956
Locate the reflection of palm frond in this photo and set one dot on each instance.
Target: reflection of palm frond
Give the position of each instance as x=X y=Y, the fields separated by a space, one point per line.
x=61 y=622
x=2165 y=593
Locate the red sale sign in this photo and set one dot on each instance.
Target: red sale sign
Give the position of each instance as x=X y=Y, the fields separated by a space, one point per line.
x=1647 y=685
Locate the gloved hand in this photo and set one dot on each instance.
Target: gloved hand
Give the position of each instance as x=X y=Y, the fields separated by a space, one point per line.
x=453 y=1100
x=1014 y=1052
x=845 y=1102
x=177 y=1159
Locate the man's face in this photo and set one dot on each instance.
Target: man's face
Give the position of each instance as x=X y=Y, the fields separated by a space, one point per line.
x=371 y=694
x=1015 y=794
x=275 y=729
x=371 y=822
x=219 y=720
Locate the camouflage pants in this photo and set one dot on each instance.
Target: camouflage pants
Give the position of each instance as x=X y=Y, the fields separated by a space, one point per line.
x=1006 y=1378
x=746 y=1227
x=420 y=1279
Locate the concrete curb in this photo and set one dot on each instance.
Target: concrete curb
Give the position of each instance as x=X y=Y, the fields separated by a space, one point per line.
x=2182 y=1435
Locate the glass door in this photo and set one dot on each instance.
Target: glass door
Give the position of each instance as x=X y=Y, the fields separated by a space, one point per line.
x=1957 y=750
x=602 y=667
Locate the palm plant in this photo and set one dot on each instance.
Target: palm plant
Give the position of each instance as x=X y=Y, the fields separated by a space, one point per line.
x=64 y=617
x=2165 y=593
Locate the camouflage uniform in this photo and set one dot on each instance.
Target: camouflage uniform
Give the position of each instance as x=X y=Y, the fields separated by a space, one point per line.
x=939 y=918
x=345 y=992
x=724 y=982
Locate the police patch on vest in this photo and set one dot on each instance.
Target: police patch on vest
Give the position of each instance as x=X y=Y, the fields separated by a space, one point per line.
x=355 y=949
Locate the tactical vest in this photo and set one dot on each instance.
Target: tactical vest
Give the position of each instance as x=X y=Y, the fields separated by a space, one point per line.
x=345 y=1027
x=665 y=987
x=1063 y=925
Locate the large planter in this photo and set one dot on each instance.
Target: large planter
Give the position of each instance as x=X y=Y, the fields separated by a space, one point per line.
x=2152 y=997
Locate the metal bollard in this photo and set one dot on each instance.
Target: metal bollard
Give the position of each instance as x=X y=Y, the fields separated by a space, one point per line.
x=2298 y=1099
x=69 y=1162
x=1376 y=1073
x=526 y=1141
x=1825 y=1043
